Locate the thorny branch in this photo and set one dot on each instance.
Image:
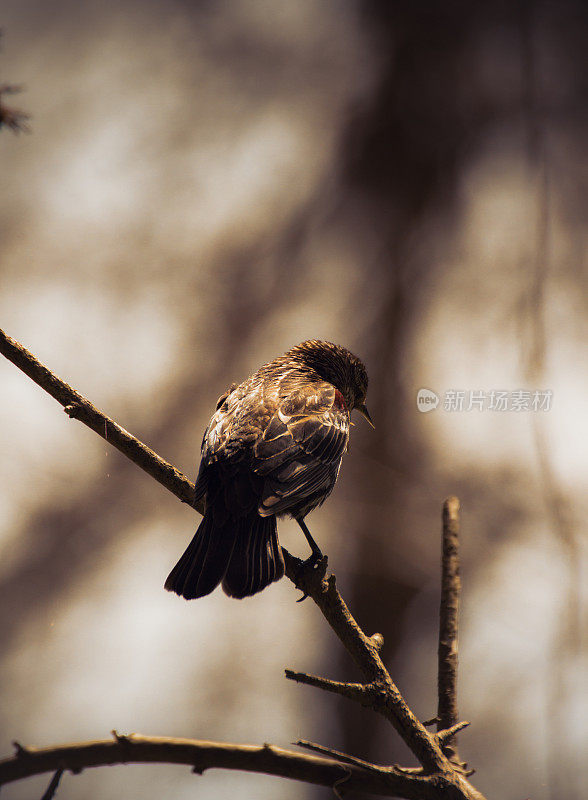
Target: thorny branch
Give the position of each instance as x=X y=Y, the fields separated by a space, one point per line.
x=438 y=777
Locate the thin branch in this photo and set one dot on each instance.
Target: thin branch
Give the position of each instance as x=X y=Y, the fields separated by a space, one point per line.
x=447 y=713
x=448 y=733
x=360 y=692
x=345 y=757
x=49 y=793
x=78 y=407
x=203 y=755
x=387 y=699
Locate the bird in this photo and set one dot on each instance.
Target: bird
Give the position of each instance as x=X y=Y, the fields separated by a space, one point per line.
x=272 y=448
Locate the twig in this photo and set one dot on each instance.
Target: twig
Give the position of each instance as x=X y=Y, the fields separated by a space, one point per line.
x=448 y=733
x=203 y=755
x=78 y=407
x=447 y=713
x=339 y=756
x=49 y=793
x=360 y=692
x=387 y=700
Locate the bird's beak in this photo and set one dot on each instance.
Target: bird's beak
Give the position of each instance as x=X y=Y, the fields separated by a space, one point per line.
x=365 y=413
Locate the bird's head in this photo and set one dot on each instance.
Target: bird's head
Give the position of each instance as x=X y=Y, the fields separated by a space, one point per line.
x=338 y=366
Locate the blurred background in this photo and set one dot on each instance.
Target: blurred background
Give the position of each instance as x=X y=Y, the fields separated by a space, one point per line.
x=207 y=184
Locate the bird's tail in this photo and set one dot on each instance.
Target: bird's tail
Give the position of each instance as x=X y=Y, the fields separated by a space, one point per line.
x=244 y=554
x=257 y=559
x=205 y=561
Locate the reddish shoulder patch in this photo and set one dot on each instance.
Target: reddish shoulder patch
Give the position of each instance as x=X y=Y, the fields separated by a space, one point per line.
x=340 y=400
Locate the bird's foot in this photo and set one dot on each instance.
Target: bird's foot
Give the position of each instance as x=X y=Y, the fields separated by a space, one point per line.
x=315 y=561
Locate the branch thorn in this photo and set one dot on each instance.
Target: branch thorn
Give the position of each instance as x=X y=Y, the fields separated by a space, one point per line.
x=448 y=733
x=21 y=750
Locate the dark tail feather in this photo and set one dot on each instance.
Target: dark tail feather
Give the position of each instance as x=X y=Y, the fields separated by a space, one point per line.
x=205 y=560
x=257 y=558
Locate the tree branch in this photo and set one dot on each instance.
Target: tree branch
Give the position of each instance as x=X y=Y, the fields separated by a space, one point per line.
x=78 y=407
x=49 y=792
x=344 y=757
x=203 y=755
x=386 y=699
x=447 y=714
x=353 y=691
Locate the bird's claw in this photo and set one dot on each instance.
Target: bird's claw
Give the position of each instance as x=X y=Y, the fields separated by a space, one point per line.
x=316 y=559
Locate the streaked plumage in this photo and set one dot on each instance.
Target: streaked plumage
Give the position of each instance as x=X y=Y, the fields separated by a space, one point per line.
x=273 y=447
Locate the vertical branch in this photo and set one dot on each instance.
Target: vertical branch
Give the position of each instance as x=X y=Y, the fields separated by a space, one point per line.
x=49 y=793
x=447 y=714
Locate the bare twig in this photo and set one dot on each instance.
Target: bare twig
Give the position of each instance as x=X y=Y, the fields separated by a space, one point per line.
x=49 y=793
x=447 y=714
x=347 y=759
x=77 y=407
x=360 y=692
x=448 y=733
x=387 y=700
x=203 y=755
x=380 y=693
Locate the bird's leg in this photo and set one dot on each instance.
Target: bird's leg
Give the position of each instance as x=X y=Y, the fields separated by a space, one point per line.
x=316 y=554
x=313 y=558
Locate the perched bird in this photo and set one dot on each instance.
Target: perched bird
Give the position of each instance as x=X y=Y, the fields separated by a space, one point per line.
x=273 y=447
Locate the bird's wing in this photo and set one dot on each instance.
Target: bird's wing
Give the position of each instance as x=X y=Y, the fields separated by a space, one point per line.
x=236 y=424
x=300 y=450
